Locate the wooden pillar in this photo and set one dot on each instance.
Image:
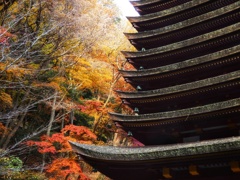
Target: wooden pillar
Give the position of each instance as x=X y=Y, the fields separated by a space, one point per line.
x=235 y=166
x=166 y=173
x=193 y=170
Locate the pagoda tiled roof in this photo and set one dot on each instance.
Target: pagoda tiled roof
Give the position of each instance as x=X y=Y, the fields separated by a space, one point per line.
x=166 y=12
x=164 y=117
x=186 y=43
x=187 y=95
x=187 y=150
x=150 y=6
x=183 y=24
x=181 y=65
x=182 y=54
x=213 y=81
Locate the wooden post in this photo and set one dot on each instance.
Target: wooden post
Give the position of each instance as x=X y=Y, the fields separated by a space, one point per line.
x=193 y=170
x=166 y=173
x=235 y=166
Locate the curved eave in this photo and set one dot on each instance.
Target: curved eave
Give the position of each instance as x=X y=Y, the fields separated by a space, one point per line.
x=183 y=44
x=180 y=88
x=183 y=24
x=143 y=2
x=148 y=7
x=178 y=113
x=181 y=65
x=166 y=12
x=112 y=153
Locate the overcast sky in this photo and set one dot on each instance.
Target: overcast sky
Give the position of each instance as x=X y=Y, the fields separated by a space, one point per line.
x=126 y=8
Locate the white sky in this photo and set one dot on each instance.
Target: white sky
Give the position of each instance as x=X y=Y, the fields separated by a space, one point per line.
x=126 y=7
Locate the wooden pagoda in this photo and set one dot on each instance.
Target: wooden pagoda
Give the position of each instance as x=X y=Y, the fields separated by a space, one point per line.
x=187 y=98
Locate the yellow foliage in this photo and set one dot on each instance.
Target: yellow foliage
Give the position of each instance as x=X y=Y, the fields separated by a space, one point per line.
x=79 y=74
x=58 y=79
x=16 y=72
x=14 y=8
x=2 y=66
x=5 y=101
x=48 y=48
x=52 y=85
x=33 y=66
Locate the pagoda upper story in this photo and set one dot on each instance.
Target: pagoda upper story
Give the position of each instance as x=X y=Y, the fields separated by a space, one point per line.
x=182 y=22
x=189 y=64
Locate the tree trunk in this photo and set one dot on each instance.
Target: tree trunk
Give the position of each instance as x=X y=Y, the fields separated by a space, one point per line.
x=52 y=114
x=97 y=122
x=12 y=133
x=5 y=139
x=52 y=118
x=106 y=102
x=71 y=116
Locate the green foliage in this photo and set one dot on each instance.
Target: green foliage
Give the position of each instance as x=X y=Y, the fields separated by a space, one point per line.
x=86 y=94
x=26 y=175
x=47 y=75
x=74 y=94
x=12 y=168
x=83 y=119
x=10 y=164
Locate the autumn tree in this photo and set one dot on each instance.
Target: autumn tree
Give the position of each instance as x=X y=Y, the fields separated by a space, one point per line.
x=104 y=38
x=35 y=40
x=58 y=66
x=64 y=163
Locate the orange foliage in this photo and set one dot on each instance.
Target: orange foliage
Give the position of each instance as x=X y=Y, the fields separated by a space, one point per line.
x=123 y=86
x=79 y=133
x=43 y=146
x=2 y=66
x=65 y=168
x=2 y=129
x=57 y=144
x=90 y=106
x=16 y=72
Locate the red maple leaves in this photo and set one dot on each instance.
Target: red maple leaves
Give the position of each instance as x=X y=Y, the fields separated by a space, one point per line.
x=58 y=142
x=58 y=145
x=65 y=168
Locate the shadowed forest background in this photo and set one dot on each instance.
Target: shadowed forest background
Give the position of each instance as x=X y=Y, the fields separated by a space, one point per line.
x=58 y=72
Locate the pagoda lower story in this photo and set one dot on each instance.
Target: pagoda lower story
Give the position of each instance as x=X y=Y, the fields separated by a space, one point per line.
x=186 y=103
x=214 y=159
